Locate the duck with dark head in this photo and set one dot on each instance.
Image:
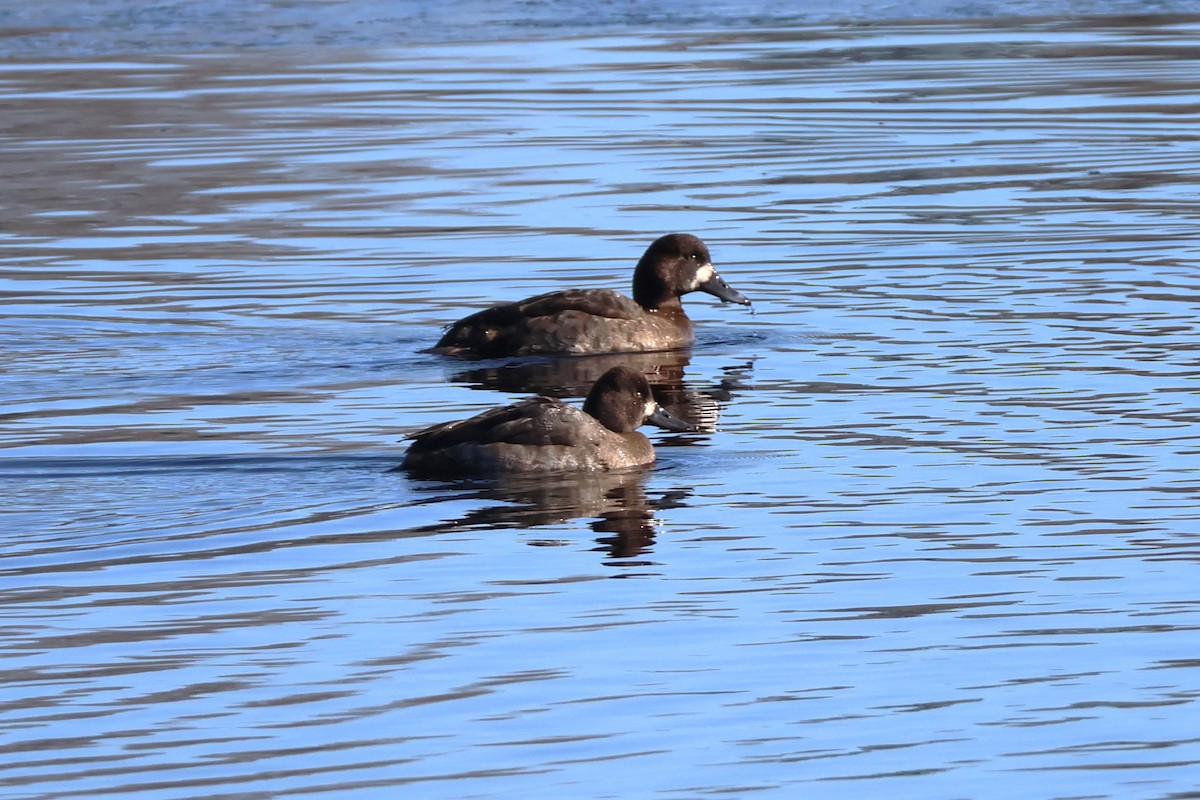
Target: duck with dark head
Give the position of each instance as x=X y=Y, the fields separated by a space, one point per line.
x=587 y=321
x=542 y=434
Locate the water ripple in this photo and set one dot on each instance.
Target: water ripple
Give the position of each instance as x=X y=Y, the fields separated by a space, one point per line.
x=940 y=521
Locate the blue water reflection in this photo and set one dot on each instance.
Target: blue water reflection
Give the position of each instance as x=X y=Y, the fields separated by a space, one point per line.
x=935 y=537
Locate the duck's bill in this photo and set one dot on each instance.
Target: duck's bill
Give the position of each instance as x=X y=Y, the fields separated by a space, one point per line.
x=717 y=287
x=667 y=421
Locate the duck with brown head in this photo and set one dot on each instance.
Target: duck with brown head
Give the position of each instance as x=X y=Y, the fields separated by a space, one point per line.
x=584 y=321
x=542 y=434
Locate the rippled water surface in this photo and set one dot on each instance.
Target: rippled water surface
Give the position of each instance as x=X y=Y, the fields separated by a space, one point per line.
x=938 y=539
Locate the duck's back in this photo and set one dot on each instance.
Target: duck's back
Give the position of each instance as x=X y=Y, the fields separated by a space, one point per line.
x=572 y=322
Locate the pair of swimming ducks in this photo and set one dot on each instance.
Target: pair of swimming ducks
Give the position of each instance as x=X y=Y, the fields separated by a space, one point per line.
x=543 y=434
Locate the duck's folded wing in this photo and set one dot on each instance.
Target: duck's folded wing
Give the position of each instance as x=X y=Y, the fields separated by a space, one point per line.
x=505 y=329
x=535 y=421
x=448 y=434
x=595 y=302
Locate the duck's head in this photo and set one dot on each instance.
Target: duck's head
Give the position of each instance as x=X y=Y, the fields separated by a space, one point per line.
x=621 y=400
x=674 y=265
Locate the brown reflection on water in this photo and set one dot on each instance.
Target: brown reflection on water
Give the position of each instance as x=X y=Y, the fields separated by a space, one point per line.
x=615 y=502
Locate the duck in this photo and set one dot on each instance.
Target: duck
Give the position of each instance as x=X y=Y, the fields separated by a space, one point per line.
x=590 y=321
x=544 y=434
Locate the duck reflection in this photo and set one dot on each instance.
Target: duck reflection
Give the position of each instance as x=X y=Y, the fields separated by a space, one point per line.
x=623 y=515
x=574 y=376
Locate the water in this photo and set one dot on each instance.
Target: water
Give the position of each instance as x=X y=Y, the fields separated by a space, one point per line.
x=937 y=540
